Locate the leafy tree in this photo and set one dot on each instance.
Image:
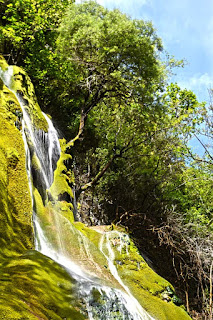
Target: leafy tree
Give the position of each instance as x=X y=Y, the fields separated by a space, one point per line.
x=149 y=149
x=114 y=73
x=24 y=21
x=113 y=58
x=28 y=30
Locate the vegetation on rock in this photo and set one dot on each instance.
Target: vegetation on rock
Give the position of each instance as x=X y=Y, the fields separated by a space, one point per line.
x=35 y=287
x=15 y=201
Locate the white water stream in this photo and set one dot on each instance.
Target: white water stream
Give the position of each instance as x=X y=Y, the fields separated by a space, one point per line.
x=116 y=304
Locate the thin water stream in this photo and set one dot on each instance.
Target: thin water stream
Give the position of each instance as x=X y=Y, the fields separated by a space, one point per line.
x=112 y=303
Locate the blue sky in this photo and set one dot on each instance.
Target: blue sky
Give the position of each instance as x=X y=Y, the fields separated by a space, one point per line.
x=186 y=29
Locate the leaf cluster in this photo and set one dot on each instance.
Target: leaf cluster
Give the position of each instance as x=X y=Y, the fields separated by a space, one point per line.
x=112 y=55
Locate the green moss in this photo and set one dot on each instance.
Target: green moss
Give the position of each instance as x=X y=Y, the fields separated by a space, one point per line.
x=35 y=287
x=90 y=233
x=12 y=158
x=3 y=63
x=63 y=178
x=16 y=234
x=22 y=85
x=158 y=308
x=35 y=162
x=66 y=209
x=38 y=203
x=9 y=106
x=145 y=285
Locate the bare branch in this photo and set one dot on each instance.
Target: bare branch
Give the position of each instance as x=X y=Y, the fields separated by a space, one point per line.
x=203 y=145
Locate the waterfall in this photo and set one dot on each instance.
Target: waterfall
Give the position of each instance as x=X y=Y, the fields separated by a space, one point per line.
x=112 y=303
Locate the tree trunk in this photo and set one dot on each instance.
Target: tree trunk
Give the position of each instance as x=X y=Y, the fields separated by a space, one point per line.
x=97 y=177
x=80 y=129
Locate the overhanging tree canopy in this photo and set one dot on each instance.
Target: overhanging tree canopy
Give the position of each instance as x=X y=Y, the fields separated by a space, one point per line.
x=109 y=55
x=113 y=69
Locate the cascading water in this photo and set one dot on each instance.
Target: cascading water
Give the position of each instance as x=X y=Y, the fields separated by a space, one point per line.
x=112 y=303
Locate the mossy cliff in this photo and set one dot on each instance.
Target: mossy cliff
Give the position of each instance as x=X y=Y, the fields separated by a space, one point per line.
x=16 y=233
x=23 y=87
x=33 y=286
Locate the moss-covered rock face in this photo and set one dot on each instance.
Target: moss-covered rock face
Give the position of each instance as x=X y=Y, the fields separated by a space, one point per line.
x=72 y=239
x=16 y=233
x=82 y=245
x=20 y=84
x=63 y=178
x=3 y=63
x=33 y=286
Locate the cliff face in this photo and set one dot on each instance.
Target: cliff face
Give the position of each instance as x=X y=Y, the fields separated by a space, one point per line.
x=32 y=285
x=16 y=232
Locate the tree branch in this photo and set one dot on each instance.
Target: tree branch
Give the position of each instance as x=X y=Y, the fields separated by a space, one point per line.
x=205 y=148
x=97 y=177
x=80 y=129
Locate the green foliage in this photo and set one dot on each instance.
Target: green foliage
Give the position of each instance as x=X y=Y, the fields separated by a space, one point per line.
x=109 y=56
x=24 y=21
x=197 y=199
x=133 y=118
x=28 y=30
x=151 y=150
x=185 y=112
x=16 y=233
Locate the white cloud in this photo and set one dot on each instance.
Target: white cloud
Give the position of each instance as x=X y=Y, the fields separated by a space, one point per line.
x=199 y=84
x=203 y=80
